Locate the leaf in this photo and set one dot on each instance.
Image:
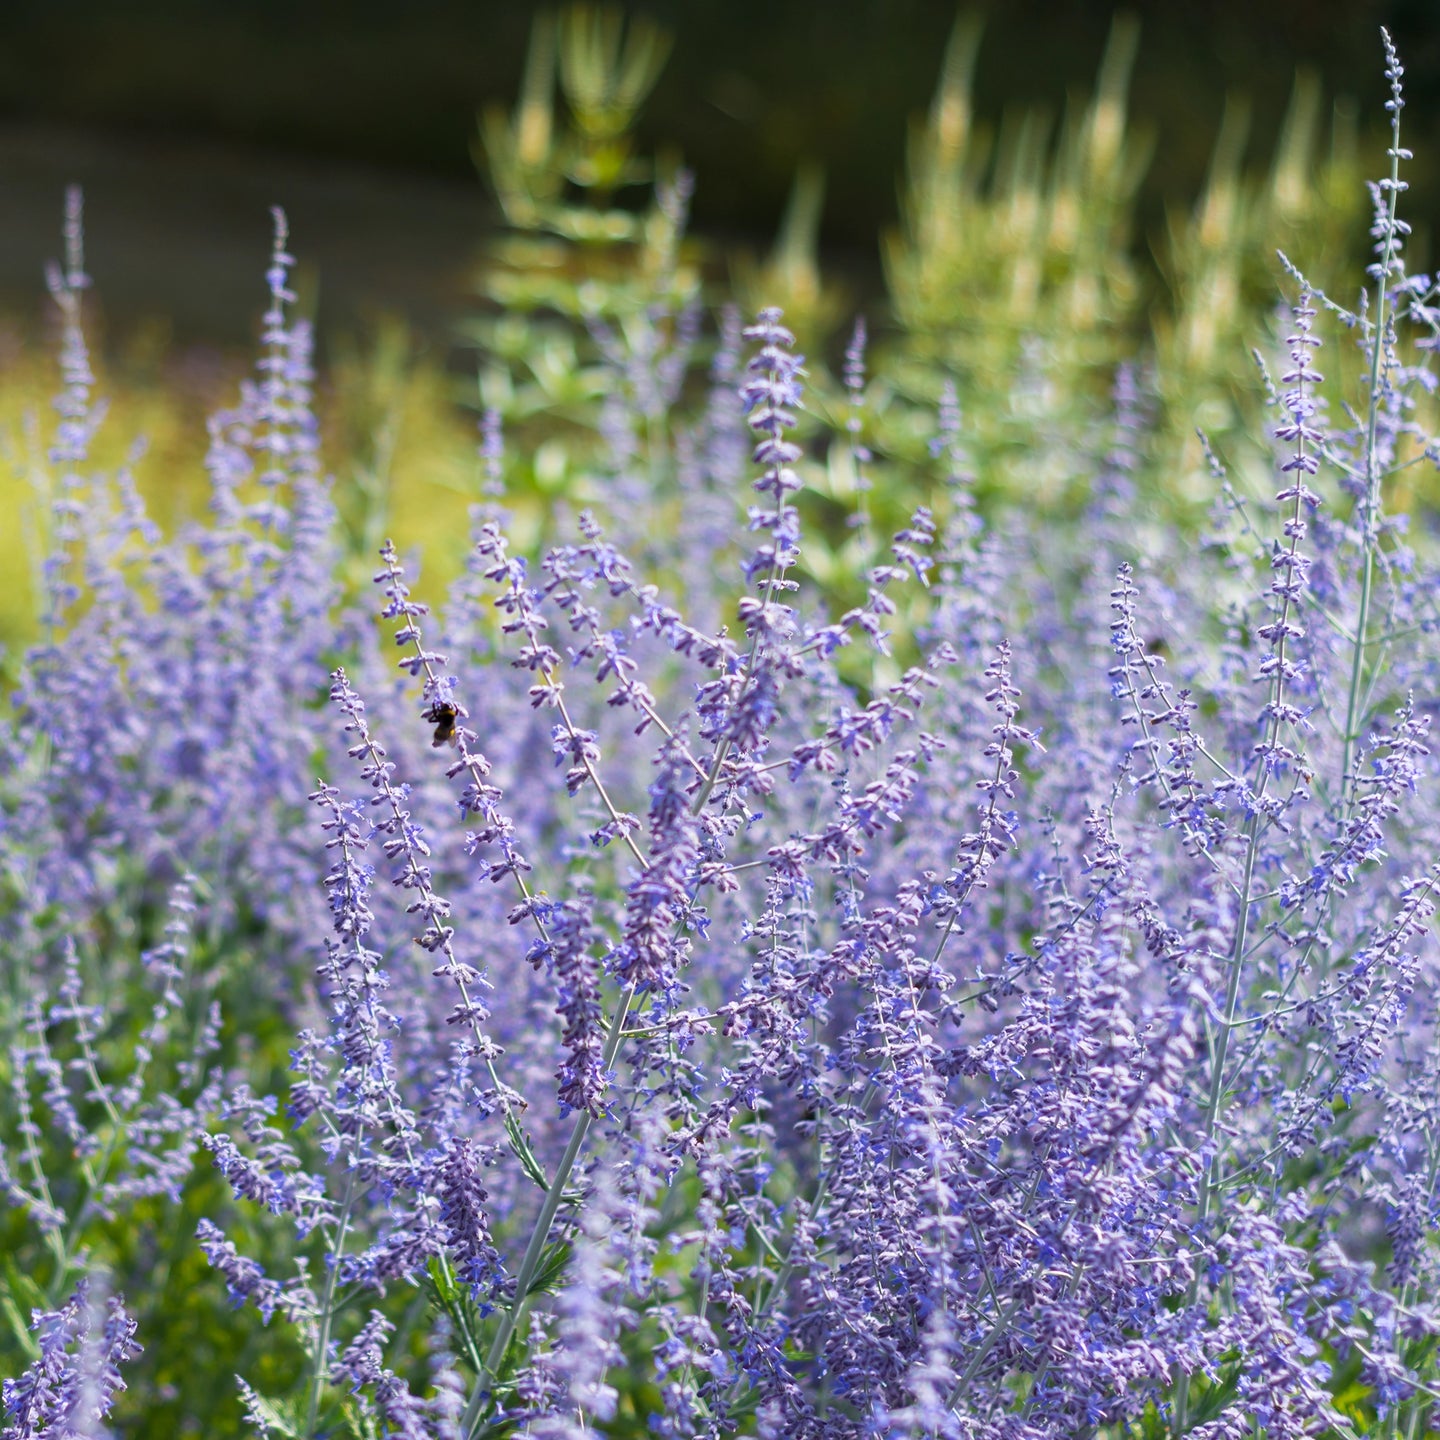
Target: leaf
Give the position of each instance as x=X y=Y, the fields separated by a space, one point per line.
x=495 y=1429
x=20 y=1296
x=526 y=1156
x=443 y=1288
x=269 y=1416
x=520 y=1146
x=551 y=1268
x=360 y=1422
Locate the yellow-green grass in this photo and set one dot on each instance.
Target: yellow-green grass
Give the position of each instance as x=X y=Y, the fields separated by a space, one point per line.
x=400 y=447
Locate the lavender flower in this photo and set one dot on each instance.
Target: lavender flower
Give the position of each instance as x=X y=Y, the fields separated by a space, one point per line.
x=70 y=1388
x=689 y=1028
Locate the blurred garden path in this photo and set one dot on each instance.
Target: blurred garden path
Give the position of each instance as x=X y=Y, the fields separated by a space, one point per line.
x=180 y=230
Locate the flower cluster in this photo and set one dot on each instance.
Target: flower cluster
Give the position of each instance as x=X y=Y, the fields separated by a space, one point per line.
x=668 y=1015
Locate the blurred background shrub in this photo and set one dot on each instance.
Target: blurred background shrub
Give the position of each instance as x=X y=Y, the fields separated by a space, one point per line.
x=1082 y=190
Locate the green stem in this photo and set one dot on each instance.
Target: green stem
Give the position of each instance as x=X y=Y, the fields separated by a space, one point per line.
x=1372 y=474
x=1210 y=1177
x=540 y=1235
x=327 y=1304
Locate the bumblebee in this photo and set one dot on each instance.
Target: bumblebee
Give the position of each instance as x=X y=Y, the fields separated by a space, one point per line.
x=443 y=715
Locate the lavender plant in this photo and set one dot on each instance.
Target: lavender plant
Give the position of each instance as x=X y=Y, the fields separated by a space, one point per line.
x=69 y=1391
x=657 y=1021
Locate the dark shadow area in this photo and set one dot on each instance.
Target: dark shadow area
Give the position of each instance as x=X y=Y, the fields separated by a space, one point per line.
x=186 y=121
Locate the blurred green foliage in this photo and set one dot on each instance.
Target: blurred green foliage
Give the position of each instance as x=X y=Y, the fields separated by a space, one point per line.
x=1017 y=260
x=1020 y=273
x=573 y=258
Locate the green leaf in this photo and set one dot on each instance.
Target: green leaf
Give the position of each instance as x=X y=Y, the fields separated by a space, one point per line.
x=272 y=1415
x=358 y=1424
x=20 y=1296
x=551 y=1268
x=495 y=1430
x=520 y=1145
x=526 y=1156
x=443 y=1288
